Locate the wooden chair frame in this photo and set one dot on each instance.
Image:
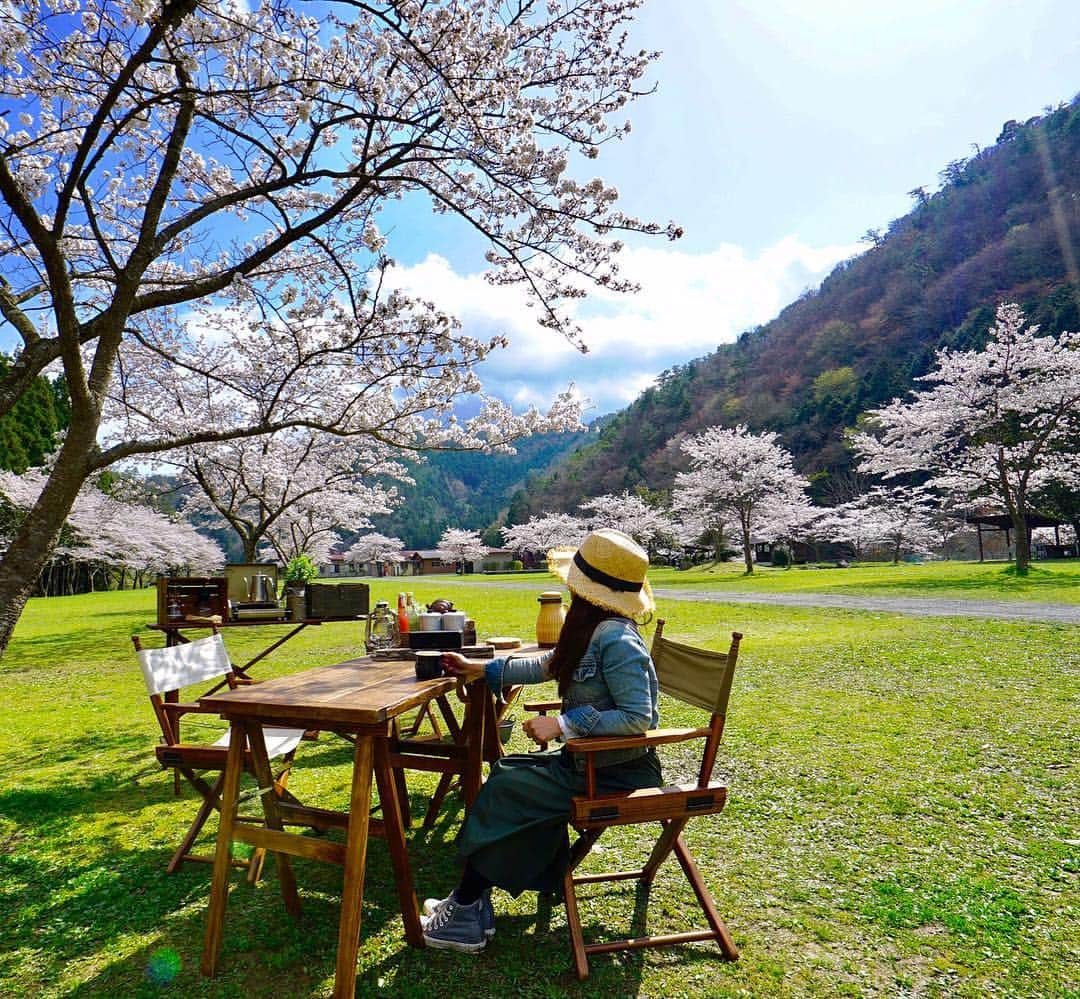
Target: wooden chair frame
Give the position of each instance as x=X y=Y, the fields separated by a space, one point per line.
x=190 y=759
x=672 y=806
x=446 y=754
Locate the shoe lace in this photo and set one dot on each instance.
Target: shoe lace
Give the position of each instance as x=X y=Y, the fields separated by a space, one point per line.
x=441 y=916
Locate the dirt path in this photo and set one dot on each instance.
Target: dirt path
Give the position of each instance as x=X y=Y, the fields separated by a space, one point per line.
x=1008 y=610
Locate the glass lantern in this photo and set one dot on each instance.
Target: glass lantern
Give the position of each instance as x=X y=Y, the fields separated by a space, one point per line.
x=382 y=628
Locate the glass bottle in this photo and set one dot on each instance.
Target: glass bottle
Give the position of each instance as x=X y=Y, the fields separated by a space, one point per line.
x=402 y=615
x=413 y=612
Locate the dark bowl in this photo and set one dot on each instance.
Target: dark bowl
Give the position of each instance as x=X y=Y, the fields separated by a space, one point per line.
x=429 y=665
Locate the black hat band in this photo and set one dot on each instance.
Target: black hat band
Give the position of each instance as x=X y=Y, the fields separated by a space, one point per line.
x=601 y=577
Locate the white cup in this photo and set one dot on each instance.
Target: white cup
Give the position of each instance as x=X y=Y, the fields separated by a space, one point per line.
x=430 y=621
x=453 y=621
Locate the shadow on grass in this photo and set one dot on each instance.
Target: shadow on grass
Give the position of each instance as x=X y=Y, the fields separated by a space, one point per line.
x=133 y=930
x=1000 y=583
x=73 y=645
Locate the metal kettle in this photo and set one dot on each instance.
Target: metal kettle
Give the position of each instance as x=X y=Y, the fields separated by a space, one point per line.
x=260 y=589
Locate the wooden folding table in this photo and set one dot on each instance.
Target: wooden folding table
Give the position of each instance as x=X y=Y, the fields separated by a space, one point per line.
x=359 y=699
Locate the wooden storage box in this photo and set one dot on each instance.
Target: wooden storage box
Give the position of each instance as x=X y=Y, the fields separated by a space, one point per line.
x=435 y=640
x=337 y=600
x=186 y=598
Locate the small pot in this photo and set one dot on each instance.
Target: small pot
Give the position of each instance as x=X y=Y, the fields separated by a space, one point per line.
x=429 y=664
x=296 y=602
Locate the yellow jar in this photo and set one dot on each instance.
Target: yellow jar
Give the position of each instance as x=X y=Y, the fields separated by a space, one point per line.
x=549 y=621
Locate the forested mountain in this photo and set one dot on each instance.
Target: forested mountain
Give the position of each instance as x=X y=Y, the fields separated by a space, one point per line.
x=470 y=490
x=1002 y=226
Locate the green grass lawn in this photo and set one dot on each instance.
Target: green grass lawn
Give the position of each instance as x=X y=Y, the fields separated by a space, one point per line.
x=1054 y=582
x=902 y=822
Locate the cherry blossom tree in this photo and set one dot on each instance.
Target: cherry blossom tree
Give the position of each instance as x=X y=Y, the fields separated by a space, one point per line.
x=855 y=523
x=292 y=491
x=189 y=193
x=538 y=535
x=377 y=548
x=631 y=515
x=990 y=423
x=899 y=518
x=789 y=519
x=302 y=533
x=459 y=546
x=741 y=474
x=105 y=533
x=699 y=523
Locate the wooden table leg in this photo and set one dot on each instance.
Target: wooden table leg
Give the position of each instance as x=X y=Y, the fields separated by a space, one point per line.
x=352 y=892
x=395 y=839
x=219 y=886
x=402 y=787
x=264 y=776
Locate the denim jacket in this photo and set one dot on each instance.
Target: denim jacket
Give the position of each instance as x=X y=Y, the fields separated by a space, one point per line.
x=613 y=691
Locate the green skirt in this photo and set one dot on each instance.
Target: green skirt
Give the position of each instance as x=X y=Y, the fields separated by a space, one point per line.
x=516 y=834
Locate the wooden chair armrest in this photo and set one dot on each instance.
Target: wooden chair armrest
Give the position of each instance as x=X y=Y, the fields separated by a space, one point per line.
x=542 y=707
x=175 y=708
x=656 y=737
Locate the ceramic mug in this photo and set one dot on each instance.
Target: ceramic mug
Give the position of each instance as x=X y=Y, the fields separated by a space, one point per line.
x=428 y=664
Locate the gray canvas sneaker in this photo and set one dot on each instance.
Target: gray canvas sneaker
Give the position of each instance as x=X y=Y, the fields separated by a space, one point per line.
x=455 y=927
x=487 y=911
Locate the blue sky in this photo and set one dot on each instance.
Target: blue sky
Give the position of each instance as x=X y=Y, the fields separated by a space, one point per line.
x=781 y=130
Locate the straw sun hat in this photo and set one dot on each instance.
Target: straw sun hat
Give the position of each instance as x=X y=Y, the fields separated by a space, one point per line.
x=607 y=570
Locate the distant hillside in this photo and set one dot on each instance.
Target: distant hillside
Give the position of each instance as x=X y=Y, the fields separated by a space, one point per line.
x=1003 y=226
x=469 y=490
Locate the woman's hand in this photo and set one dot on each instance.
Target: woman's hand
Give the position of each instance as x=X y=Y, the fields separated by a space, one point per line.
x=542 y=729
x=457 y=665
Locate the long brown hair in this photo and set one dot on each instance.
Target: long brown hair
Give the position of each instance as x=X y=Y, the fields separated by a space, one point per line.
x=581 y=621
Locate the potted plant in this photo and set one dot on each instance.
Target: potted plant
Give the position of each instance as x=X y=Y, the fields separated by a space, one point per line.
x=299 y=571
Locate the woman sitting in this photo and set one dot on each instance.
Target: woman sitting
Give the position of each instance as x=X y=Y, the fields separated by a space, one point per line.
x=516 y=835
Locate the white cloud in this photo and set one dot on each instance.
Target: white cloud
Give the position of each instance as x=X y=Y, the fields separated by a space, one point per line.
x=688 y=304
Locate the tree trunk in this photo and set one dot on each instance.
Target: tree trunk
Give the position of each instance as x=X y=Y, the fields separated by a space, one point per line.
x=1023 y=542
x=37 y=534
x=748 y=555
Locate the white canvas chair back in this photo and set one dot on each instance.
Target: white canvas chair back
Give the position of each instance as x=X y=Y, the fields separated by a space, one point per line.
x=182 y=665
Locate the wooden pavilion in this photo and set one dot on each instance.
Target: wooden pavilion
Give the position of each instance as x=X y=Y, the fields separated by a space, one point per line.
x=1003 y=522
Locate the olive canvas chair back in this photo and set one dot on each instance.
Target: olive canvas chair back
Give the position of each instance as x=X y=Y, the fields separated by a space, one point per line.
x=698 y=677
x=169 y=670
x=701 y=678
